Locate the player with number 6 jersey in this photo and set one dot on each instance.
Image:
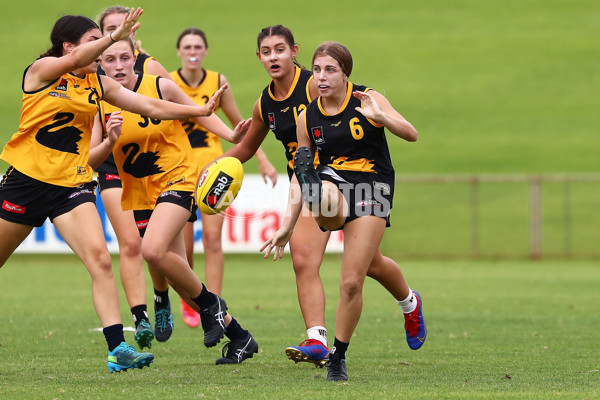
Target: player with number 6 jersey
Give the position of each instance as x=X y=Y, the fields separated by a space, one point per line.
x=352 y=190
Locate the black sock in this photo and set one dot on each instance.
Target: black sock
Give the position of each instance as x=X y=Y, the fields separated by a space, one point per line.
x=205 y=299
x=114 y=335
x=161 y=299
x=235 y=331
x=139 y=314
x=338 y=351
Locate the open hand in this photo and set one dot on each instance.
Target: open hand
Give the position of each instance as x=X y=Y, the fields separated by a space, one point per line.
x=210 y=105
x=370 y=109
x=128 y=26
x=240 y=130
x=277 y=242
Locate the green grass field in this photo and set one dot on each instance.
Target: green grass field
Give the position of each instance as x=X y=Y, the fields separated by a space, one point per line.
x=492 y=87
x=510 y=330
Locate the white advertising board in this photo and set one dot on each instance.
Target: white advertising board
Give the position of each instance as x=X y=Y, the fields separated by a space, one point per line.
x=255 y=214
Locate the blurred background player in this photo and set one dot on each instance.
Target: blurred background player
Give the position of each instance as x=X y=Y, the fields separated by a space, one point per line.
x=200 y=84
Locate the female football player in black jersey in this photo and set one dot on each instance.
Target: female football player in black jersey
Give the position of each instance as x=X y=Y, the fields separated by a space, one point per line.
x=351 y=189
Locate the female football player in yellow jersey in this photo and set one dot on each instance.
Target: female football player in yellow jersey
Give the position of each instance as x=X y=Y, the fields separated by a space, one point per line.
x=290 y=91
x=108 y=20
x=352 y=190
x=50 y=176
x=130 y=252
x=156 y=165
x=199 y=84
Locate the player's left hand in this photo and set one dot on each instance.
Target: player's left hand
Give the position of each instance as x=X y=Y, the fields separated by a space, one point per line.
x=370 y=109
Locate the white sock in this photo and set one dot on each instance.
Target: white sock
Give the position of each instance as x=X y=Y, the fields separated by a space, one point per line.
x=319 y=333
x=409 y=304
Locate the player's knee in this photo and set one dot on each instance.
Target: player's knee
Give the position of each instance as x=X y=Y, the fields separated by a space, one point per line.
x=99 y=263
x=130 y=247
x=305 y=264
x=152 y=254
x=212 y=241
x=351 y=286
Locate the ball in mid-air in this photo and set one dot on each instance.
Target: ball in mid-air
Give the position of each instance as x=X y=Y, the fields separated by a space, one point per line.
x=219 y=185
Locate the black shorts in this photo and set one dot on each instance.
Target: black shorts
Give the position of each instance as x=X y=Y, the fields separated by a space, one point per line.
x=27 y=201
x=363 y=192
x=181 y=198
x=108 y=180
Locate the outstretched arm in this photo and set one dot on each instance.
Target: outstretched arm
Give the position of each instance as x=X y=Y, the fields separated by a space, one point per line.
x=282 y=236
x=212 y=122
x=47 y=69
x=257 y=132
x=125 y=99
x=232 y=111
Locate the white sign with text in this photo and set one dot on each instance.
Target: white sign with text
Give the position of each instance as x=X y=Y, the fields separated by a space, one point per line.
x=255 y=214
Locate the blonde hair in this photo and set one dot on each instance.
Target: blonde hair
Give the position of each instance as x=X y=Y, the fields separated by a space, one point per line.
x=117 y=10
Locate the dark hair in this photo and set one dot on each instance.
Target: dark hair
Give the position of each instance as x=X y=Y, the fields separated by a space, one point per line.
x=278 y=30
x=69 y=28
x=338 y=52
x=192 y=31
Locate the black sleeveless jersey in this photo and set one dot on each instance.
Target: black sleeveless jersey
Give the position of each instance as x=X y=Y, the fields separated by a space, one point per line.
x=281 y=115
x=348 y=142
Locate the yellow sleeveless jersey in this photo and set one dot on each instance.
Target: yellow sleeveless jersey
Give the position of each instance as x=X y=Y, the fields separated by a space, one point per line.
x=152 y=155
x=206 y=145
x=53 y=141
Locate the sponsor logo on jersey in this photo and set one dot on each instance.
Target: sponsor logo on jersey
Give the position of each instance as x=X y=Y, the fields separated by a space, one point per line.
x=271 y=120
x=14 y=208
x=81 y=170
x=337 y=124
x=62 y=85
x=111 y=177
x=218 y=189
x=317 y=133
x=285 y=110
x=56 y=94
